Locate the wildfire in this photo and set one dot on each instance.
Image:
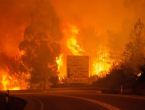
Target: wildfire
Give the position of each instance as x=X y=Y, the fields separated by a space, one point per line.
x=59 y=61
x=4 y=82
x=70 y=46
x=13 y=82
x=98 y=63
x=74 y=47
x=70 y=33
x=9 y=83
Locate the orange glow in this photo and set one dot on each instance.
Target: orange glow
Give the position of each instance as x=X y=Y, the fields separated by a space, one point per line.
x=76 y=15
x=13 y=82
x=22 y=52
x=74 y=47
x=70 y=33
x=59 y=61
x=98 y=63
x=4 y=82
x=60 y=64
x=9 y=83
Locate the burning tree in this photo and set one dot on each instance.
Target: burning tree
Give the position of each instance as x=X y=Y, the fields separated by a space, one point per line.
x=131 y=71
x=40 y=45
x=95 y=47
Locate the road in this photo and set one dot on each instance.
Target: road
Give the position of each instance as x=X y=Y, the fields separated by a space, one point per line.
x=77 y=99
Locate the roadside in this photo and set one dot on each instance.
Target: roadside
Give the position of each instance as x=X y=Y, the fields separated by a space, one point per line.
x=12 y=103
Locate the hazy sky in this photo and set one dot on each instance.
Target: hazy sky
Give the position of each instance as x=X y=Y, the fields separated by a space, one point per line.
x=102 y=14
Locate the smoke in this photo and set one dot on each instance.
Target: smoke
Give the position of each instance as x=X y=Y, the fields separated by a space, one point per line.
x=111 y=19
x=115 y=16
x=104 y=15
x=15 y=16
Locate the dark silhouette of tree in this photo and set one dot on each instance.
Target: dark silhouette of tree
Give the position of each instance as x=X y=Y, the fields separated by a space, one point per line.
x=125 y=73
x=135 y=50
x=40 y=44
x=120 y=75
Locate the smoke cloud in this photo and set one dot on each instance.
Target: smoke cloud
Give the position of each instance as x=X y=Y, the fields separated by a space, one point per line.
x=15 y=16
x=117 y=16
x=110 y=18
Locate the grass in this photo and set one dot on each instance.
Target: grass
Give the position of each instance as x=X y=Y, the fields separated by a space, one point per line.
x=14 y=103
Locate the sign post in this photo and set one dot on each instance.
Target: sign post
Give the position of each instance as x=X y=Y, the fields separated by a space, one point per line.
x=77 y=69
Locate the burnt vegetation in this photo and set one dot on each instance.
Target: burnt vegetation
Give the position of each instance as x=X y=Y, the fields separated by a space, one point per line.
x=130 y=72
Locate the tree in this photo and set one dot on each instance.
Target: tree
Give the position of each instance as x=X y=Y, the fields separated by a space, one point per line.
x=39 y=44
x=125 y=73
x=135 y=50
x=119 y=75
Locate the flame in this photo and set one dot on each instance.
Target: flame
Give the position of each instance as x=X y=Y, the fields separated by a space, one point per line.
x=99 y=62
x=9 y=83
x=70 y=46
x=59 y=61
x=13 y=82
x=4 y=82
x=74 y=47
x=70 y=33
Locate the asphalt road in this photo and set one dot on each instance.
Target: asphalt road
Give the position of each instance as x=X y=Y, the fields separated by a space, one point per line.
x=72 y=99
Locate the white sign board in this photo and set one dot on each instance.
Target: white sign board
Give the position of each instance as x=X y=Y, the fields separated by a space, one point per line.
x=77 y=68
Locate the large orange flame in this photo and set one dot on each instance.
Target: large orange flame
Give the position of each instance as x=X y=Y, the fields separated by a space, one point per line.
x=70 y=33
x=98 y=63
x=8 y=82
x=13 y=83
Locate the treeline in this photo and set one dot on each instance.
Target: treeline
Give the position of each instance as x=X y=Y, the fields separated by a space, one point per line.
x=130 y=72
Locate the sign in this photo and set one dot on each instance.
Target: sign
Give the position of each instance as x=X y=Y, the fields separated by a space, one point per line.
x=77 y=68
